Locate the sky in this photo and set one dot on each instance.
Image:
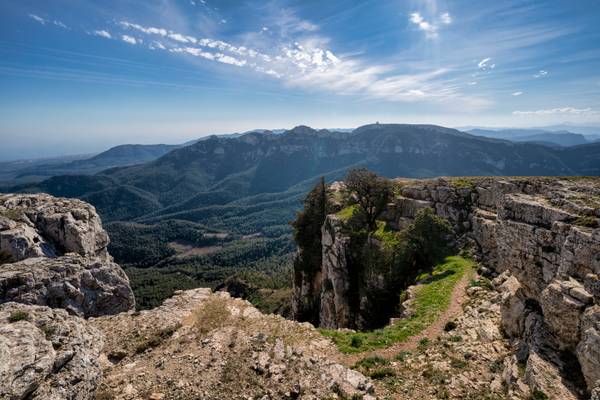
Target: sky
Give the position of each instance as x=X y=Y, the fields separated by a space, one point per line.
x=78 y=76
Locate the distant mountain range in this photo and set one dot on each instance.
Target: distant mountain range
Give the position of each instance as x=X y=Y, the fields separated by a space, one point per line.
x=236 y=194
x=127 y=154
x=550 y=138
x=221 y=171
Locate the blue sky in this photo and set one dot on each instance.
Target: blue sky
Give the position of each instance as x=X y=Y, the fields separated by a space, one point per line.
x=79 y=76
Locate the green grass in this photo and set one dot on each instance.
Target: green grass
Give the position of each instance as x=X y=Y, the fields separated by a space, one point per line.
x=460 y=183
x=389 y=238
x=432 y=299
x=347 y=212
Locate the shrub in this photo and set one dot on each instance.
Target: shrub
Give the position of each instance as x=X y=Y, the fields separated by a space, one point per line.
x=18 y=316
x=371 y=362
x=450 y=326
x=380 y=373
x=538 y=395
x=356 y=341
x=372 y=193
x=496 y=366
x=402 y=355
x=457 y=363
x=456 y=338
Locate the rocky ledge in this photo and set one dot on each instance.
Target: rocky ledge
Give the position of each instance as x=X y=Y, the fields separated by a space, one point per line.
x=541 y=233
x=203 y=345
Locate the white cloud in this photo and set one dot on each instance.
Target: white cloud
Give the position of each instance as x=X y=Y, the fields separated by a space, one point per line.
x=103 y=33
x=60 y=24
x=472 y=83
x=148 y=30
x=540 y=74
x=517 y=93
x=38 y=19
x=129 y=39
x=563 y=110
x=429 y=29
x=486 y=64
x=309 y=64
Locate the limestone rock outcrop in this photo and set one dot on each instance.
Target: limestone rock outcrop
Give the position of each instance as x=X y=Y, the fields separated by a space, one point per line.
x=47 y=354
x=39 y=225
x=542 y=234
x=55 y=271
x=86 y=287
x=58 y=257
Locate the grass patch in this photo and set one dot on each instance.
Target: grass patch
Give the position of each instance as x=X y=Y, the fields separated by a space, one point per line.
x=213 y=314
x=403 y=355
x=371 y=362
x=482 y=282
x=347 y=213
x=462 y=183
x=375 y=367
x=389 y=238
x=18 y=316
x=432 y=298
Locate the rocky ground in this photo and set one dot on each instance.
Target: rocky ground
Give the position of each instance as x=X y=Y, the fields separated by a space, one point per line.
x=200 y=345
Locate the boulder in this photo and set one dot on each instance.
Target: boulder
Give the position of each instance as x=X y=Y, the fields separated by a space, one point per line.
x=47 y=354
x=83 y=286
x=562 y=303
x=588 y=349
x=39 y=225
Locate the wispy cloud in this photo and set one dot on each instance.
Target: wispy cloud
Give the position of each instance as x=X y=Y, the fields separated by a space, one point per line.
x=129 y=39
x=102 y=33
x=44 y=21
x=427 y=27
x=430 y=27
x=542 y=73
x=486 y=64
x=38 y=19
x=517 y=93
x=307 y=64
x=562 y=110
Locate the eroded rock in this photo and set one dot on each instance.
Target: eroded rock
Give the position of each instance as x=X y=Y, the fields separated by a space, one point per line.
x=83 y=286
x=47 y=354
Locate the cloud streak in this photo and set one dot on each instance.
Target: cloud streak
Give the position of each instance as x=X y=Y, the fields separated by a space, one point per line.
x=562 y=110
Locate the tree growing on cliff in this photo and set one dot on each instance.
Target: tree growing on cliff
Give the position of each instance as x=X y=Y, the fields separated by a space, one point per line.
x=372 y=193
x=428 y=238
x=307 y=234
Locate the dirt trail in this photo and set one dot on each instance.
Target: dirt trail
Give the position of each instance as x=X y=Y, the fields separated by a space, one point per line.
x=459 y=296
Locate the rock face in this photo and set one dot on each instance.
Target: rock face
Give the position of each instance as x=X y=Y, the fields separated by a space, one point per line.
x=542 y=232
x=40 y=225
x=86 y=287
x=55 y=269
x=334 y=311
x=62 y=260
x=47 y=354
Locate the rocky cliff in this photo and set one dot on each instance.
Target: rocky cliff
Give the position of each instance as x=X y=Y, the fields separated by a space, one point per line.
x=55 y=254
x=540 y=234
x=68 y=329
